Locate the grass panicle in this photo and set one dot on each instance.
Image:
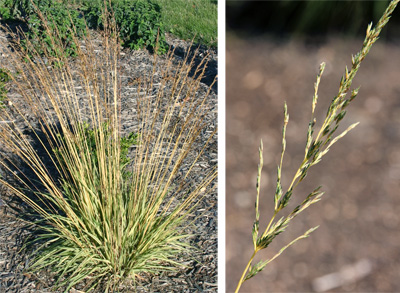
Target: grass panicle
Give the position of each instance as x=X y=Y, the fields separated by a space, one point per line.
x=315 y=149
x=103 y=220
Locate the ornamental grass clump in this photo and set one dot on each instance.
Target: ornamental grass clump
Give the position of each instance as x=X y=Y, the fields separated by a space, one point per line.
x=102 y=217
x=316 y=148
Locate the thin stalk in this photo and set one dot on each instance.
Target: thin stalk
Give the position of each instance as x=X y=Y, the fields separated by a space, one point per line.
x=269 y=224
x=241 y=281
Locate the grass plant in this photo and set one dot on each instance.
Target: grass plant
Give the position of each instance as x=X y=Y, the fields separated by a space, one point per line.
x=101 y=219
x=316 y=148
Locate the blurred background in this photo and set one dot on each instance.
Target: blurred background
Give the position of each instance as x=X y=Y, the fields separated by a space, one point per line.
x=274 y=49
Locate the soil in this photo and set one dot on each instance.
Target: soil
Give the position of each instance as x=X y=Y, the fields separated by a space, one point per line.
x=200 y=271
x=356 y=248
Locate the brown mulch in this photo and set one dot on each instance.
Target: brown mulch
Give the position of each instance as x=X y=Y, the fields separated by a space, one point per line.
x=359 y=216
x=200 y=273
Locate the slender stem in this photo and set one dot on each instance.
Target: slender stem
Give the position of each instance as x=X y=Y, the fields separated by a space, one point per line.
x=269 y=224
x=245 y=271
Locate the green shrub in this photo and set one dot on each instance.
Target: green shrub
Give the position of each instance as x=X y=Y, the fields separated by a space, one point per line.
x=6 y=10
x=61 y=20
x=139 y=23
x=17 y=9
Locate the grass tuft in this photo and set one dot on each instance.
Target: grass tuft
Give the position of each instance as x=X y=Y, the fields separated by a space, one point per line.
x=104 y=218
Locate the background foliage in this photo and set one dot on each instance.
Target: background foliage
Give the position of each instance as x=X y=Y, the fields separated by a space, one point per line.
x=139 y=20
x=301 y=18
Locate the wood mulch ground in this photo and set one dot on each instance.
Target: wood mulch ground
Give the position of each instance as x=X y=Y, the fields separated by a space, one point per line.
x=200 y=273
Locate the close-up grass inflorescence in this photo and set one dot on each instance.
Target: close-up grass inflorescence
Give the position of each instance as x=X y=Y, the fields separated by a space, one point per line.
x=316 y=148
